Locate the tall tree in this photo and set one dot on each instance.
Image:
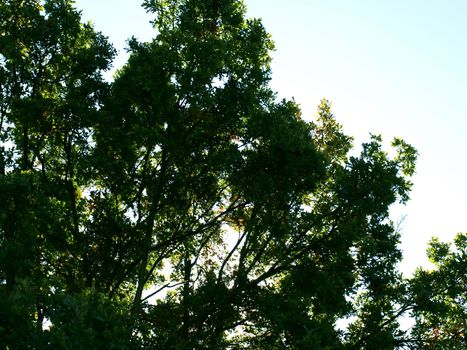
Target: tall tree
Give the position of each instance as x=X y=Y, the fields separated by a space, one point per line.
x=182 y=205
x=50 y=90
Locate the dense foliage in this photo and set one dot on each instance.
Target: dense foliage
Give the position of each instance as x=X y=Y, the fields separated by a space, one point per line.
x=183 y=206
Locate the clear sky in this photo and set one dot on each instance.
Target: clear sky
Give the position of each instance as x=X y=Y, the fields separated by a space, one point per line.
x=390 y=67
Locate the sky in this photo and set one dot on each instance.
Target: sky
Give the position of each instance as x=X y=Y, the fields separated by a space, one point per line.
x=389 y=67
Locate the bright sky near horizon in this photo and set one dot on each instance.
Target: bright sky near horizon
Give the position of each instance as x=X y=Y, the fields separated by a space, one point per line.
x=390 y=67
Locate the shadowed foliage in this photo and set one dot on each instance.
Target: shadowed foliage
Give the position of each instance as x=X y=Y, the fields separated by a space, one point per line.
x=183 y=206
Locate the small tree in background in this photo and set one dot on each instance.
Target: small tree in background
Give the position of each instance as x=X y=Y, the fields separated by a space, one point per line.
x=440 y=297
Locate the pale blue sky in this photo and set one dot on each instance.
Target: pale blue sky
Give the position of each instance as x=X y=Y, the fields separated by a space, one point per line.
x=394 y=67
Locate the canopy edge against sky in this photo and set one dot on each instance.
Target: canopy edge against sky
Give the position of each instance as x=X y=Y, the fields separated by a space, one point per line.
x=395 y=68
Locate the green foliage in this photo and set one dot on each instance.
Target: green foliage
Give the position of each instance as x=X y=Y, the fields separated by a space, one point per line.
x=182 y=206
x=440 y=297
x=88 y=321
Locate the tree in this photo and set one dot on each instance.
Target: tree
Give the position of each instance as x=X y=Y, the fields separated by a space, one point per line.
x=51 y=89
x=182 y=206
x=440 y=297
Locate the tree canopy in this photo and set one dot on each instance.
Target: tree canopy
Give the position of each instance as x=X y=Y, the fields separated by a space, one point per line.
x=184 y=206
